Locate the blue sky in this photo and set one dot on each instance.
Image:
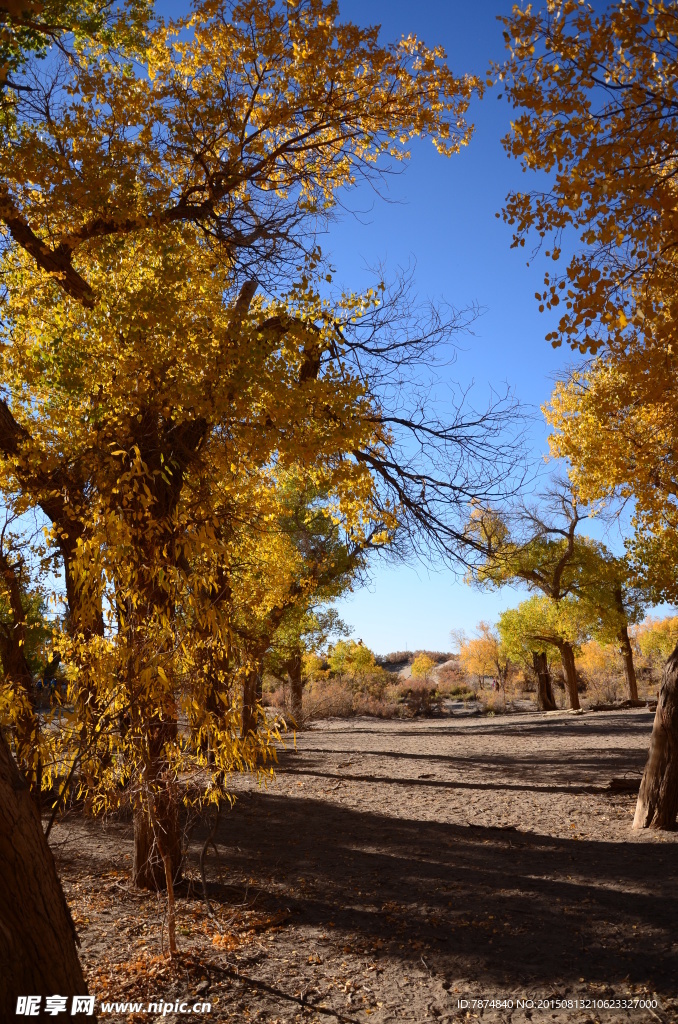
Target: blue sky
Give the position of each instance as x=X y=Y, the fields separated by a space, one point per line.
x=442 y=214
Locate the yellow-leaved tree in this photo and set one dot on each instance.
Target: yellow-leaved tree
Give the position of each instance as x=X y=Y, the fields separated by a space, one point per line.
x=597 y=96
x=484 y=655
x=539 y=547
x=242 y=118
x=540 y=624
x=657 y=638
x=181 y=419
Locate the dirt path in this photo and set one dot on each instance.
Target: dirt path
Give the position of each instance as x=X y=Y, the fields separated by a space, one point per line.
x=394 y=869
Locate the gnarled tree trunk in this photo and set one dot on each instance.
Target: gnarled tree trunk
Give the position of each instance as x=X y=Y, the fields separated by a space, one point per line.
x=157 y=828
x=625 y=648
x=294 y=666
x=150 y=849
x=545 y=699
x=657 y=804
x=26 y=733
x=38 y=953
x=570 y=673
x=629 y=668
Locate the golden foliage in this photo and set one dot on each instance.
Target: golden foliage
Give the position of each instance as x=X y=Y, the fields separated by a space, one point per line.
x=245 y=118
x=422 y=666
x=598 y=98
x=657 y=638
x=485 y=654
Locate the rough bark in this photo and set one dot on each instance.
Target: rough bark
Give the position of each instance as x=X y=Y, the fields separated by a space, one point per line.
x=629 y=668
x=38 y=953
x=294 y=666
x=570 y=673
x=545 y=698
x=149 y=870
x=249 y=703
x=157 y=818
x=657 y=804
x=18 y=674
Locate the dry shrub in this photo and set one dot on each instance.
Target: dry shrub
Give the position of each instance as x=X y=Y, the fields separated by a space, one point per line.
x=364 y=704
x=407 y=657
x=526 y=683
x=328 y=698
x=492 y=701
x=457 y=691
x=605 y=689
x=395 y=658
x=333 y=698
x=275 y=698
x=437 y=657
x=373 y=685
x=419 y=696
x=516 y=688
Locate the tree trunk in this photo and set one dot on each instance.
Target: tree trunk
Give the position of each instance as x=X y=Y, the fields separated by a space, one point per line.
x=627 y=654
x=157 y=820
x=545 y=699
x=570 y=673
x=15 y=667
x=251 y=698
x=38 y=953
x=625 y=648
x=658 y=797
x=149 y=866
x=294 y=666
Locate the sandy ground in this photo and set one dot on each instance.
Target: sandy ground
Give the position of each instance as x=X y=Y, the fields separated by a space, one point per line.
x=399 y=871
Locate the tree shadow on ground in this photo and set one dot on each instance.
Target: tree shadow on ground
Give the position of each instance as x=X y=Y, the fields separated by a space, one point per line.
x=604 y=723
x=547 y=770
x=455 y=784
x=504 y=906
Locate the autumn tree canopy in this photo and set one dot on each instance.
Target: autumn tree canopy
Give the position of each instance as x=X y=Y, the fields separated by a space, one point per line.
x=220 y=120
x=596 y=98
x=539 y=546
x=597 y=115
x=483 y=654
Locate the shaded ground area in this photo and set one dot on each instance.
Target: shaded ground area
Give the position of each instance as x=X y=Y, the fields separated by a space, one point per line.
x=393 y=870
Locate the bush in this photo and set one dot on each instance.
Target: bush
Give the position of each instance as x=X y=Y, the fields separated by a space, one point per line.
x=418 y=696
x=452 y=680
x=373 y=684
x=276 y=698
x=395 y=658
x=602 y=669
x=335 y=698
x=492 y=702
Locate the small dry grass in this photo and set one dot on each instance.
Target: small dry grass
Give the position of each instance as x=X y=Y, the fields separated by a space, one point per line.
x=335 y=698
